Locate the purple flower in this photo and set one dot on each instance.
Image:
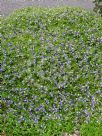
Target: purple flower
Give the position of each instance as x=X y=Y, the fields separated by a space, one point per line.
x=1 y=70
x=25 y=100
x=35 y=120
x=93 y=102
x=9 y=44
x=87 y=114
x=0 y=106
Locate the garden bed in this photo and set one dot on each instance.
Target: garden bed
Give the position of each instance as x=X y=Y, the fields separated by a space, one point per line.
x=51 y=72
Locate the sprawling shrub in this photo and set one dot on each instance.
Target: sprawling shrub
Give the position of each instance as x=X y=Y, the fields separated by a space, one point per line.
x=98 y=6
x=51 y=70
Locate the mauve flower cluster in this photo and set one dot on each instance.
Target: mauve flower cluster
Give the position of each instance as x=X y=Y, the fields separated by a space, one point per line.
x=51 y=66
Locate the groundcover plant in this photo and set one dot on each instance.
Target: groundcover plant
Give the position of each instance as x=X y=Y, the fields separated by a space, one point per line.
x=51 y=72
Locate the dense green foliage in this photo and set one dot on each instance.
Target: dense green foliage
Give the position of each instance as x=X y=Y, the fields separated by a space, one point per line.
x=98 y=6
x=51 y=72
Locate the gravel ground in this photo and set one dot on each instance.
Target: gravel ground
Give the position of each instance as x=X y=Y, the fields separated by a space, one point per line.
x=7 y=6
